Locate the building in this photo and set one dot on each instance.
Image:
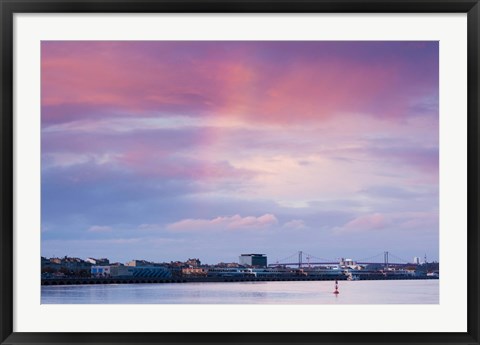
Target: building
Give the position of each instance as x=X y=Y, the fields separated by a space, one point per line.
x=121 y=271
x=139 y=263
x=193 y=262
x=228 y=264
x=98 y=262
x=416 y=260
x=257 y=260
x=130 y=271
x=195 y=271
x=347 y=263
x=100 y=271
x=230 y=272
x=152 y=272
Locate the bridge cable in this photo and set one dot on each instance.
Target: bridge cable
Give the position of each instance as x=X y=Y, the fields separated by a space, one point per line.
x=369 y=258
x=287 y=258
x=321 y=259
x=396 y=257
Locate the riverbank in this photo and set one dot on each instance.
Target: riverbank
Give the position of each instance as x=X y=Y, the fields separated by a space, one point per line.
x=132 y=280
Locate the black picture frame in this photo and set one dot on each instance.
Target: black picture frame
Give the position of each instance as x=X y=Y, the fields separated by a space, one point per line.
x=9 y=8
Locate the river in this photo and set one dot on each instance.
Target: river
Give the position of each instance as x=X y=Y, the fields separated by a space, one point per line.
x=292 y=292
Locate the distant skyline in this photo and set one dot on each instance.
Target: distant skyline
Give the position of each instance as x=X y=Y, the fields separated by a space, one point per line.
x=169 y=150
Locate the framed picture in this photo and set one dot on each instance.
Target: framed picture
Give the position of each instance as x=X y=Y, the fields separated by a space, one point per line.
x=239 y=172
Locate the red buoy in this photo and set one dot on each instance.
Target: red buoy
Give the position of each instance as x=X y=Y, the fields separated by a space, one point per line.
x=336 y=292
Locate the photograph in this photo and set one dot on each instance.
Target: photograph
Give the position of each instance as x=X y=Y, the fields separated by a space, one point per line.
x=210 y=172
x=279 y=172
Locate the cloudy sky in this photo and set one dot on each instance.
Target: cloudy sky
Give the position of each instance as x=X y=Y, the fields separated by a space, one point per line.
x=173 y=150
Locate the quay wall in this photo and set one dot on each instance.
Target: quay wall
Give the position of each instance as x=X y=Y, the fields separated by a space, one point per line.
x=135 y=280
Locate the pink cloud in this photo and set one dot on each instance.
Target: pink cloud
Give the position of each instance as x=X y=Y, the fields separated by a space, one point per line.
x=156 y=164
x=365 y=223
x=191 y=79
x=227 y=222
x=295 y=224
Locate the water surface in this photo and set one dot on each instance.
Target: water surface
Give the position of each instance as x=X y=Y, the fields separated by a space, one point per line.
x=292 y=292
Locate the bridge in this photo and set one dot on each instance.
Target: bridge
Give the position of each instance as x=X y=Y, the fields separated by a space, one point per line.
x=312 y=260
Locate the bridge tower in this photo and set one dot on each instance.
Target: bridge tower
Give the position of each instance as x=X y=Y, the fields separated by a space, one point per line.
x=385 y=260
x=300 y=255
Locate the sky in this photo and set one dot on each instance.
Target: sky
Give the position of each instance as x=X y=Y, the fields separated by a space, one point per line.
x=169 y=150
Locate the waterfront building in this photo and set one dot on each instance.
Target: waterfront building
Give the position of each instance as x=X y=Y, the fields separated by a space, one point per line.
x=193 y=262
x=152 y=272
x=121 y=271
x=69 y=266
x=416 y=260
x=322 y=271
x=98 y=262
x=229 y=272
x=228 y=264
x=348 y=263
x=271 y=272
x=139 y=263
x=100 y=271
x=195 y=271
x=130 y=271
x=49 y=265
x=255 y=260
x=65 y=267
x=275 y=272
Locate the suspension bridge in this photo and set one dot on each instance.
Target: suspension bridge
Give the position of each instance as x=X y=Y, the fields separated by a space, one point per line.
x=303 y=259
